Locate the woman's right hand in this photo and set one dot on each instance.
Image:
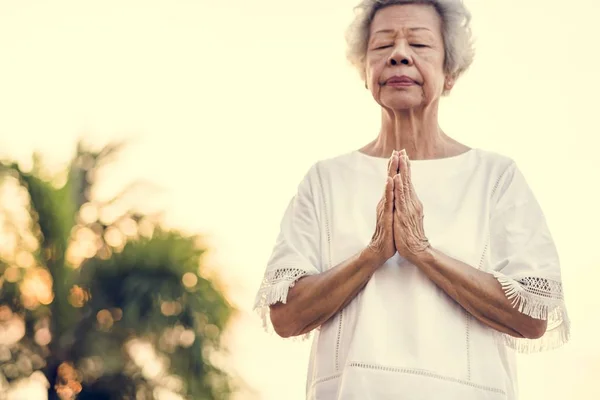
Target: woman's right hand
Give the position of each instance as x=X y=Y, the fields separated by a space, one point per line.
x=382 y=243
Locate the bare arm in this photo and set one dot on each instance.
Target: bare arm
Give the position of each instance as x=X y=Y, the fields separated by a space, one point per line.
x=476 y=291
x=479 y=293
x=315 y=299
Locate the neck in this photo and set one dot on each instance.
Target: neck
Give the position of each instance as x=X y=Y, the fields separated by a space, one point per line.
x=417 y=132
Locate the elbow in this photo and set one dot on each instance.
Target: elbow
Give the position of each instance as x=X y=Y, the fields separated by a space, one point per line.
x=282 y=325
x=534 y=328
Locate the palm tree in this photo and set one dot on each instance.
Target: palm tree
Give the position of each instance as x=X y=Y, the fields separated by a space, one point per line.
x=105 y=306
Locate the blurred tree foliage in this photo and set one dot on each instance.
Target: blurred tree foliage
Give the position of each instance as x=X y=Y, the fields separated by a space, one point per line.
x=107 y=304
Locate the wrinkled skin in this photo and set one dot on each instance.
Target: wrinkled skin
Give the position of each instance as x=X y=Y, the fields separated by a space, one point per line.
x=382 y=242
x=409 y=234
x=399 y=214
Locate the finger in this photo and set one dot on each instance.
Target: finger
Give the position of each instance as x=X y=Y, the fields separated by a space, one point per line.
x=385 y=198
x=389 y=195
x=401 y=154
x=403 y=165
x=393 y=164
x=399 y=196
x=409 y=174
x=385 y=188
x=405 y=173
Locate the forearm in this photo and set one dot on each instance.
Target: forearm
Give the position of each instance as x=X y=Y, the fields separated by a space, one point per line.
x=315 y=299
x=479 y=293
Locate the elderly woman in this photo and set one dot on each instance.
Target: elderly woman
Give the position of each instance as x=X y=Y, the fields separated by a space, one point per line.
x=419 y=263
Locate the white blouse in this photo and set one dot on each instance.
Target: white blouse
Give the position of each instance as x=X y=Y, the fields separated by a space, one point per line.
x=402 y=337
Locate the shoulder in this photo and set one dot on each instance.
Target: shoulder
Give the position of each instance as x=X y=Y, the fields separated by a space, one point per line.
x=499 y=169
x=339 y=162
x=509 y=185
x=494 y=161
x=323 y=169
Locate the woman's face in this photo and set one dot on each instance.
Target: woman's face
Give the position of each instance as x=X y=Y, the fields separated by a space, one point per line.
x=405 y=57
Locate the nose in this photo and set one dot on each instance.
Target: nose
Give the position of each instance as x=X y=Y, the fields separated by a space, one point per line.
x=400 y=55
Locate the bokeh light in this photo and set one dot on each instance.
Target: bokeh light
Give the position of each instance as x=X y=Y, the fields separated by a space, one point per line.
x=189 y=279
x=36 y=288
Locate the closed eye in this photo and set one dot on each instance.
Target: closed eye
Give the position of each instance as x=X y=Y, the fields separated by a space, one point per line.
x=419 y=45
x=383 y=47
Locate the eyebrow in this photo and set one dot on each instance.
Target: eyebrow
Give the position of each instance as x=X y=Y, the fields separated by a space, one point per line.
x=410 y=29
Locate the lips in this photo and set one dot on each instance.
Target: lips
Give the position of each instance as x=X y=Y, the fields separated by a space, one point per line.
x=400 y=81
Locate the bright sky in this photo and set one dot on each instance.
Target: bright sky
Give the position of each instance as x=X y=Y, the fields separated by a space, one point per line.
x=230 y=102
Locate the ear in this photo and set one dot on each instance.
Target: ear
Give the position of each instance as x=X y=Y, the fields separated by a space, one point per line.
x=364 y=74
x=449 y=83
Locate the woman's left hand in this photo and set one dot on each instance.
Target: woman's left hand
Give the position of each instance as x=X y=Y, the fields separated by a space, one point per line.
x=409 y=235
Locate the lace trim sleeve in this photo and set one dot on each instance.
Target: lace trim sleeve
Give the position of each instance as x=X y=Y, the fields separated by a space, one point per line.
x=297 y=250
x=274 y=289
x=541 y=299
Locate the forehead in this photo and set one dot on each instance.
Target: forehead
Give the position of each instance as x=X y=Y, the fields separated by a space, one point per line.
x=400 y=17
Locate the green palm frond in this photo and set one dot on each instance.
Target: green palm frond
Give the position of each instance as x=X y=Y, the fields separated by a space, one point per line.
x=140 y=280
x=148 y=289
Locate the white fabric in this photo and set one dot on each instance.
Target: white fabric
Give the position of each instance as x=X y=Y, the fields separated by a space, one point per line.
x=403 y=338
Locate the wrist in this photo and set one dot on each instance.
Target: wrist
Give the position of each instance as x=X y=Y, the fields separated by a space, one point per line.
x=426 y=256
x=372 y=258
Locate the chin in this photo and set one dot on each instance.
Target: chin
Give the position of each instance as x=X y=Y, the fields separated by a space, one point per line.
x=401 y=101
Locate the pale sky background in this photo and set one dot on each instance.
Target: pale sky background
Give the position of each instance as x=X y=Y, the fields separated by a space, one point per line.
x=230 y=102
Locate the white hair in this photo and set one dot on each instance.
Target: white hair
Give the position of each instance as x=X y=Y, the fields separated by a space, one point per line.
x=456 y=32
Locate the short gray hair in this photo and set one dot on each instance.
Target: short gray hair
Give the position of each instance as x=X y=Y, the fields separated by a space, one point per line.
x=456 y=32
